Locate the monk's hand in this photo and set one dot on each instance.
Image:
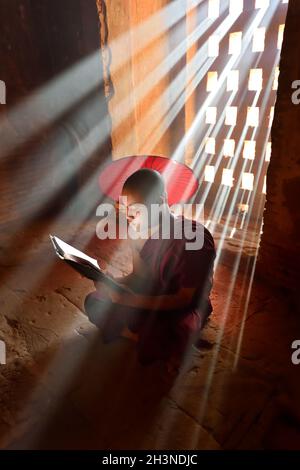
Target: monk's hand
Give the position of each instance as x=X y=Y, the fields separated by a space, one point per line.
x=114 y=295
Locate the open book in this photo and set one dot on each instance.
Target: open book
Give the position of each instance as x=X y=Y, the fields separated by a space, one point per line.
x=84 y=264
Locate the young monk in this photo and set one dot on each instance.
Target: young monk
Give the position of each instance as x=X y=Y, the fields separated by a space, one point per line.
x=168 y=301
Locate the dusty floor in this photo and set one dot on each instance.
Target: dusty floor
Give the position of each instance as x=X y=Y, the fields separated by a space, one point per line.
x=62 y=388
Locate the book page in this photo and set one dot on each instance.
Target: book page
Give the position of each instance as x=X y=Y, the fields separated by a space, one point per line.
x=70 y=250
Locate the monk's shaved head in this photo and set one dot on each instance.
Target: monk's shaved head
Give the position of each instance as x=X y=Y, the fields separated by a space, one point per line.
x=147 y=184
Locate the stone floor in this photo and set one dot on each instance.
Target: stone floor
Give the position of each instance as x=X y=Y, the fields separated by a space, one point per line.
x=62 y=388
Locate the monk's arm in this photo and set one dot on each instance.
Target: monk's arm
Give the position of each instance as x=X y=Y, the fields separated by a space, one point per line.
x=179 y=300
x=139 y=271
x=176 y=301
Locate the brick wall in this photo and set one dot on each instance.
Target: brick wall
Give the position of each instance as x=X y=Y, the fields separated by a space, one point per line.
x=46 y=155
x=280 y=244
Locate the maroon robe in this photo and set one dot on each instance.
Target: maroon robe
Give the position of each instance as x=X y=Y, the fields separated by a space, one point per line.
x=163 y=333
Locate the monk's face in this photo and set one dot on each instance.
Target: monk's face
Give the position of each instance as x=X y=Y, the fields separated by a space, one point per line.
x=130 y=203
x=138 y=212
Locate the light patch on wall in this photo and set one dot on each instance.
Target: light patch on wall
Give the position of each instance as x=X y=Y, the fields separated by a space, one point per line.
x=230 y=115
x=264 y=189
x=268 y=152
x=258 y=44
x=249 y=149
x=212 y=81
x=211 y=115
x=271 y=117
x=280 y=36
x=229 y=146
x=209 y=173
x=236 y=7
x=262 y=3
x=227 y=177
x=213 y=46
x=255 y=79
x=252 y=116
x=213 y=9
x=276 y=77
x=233 y=80
x=247 y=181
x=235 y=43
x=210 y=145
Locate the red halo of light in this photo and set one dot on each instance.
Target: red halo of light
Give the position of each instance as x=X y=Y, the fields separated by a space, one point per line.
x=181 y=183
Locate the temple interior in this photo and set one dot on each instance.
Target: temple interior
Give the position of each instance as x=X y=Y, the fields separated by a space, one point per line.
x=207 y=83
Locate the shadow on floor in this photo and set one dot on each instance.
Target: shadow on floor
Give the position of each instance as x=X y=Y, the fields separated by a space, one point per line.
x=109 y=403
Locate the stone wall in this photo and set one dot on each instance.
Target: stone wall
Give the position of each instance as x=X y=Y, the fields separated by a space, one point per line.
x=280 y=245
